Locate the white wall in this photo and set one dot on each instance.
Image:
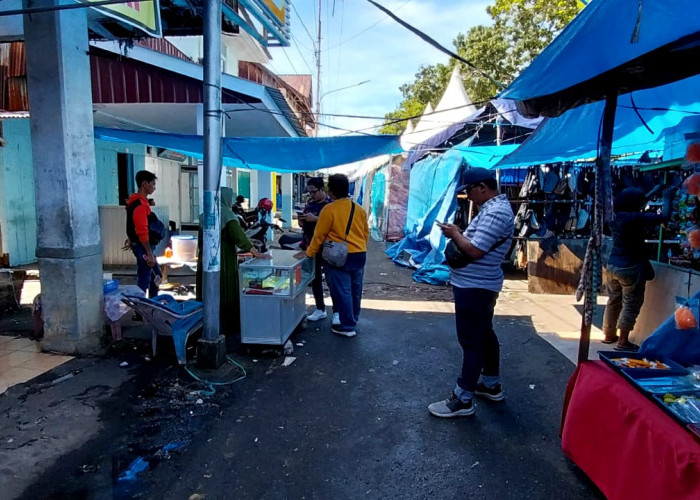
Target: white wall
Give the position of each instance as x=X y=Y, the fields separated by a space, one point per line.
x=167 y=192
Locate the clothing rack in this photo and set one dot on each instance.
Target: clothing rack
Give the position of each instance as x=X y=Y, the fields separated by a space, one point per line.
x=546 y=202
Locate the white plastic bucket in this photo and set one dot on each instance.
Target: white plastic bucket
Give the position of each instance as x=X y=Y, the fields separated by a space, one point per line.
x=184 y=247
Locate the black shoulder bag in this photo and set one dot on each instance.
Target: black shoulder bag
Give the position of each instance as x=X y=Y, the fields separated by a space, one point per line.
x=457 y=259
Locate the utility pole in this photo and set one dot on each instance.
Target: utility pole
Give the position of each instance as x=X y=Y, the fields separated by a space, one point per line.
x=211 y=350
x=318 y=69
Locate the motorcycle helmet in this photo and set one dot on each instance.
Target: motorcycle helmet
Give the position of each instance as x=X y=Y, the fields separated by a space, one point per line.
x=265 y=204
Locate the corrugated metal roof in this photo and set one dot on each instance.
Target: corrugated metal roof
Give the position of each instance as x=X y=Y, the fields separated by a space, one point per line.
x=286 y=110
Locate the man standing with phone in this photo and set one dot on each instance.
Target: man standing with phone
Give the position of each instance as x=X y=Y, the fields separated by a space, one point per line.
x=307 y=220
x=476 y=287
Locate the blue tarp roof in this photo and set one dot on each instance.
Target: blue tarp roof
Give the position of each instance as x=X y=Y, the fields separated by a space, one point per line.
x=278 y=154
x=483 y=156
x=574 y=135
x=612 y=44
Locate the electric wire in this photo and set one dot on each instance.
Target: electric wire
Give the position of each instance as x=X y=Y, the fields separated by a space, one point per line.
x=211 y=386
x=303 y=25
x=365 y=30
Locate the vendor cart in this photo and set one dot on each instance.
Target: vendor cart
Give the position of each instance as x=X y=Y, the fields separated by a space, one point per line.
x=273 y=298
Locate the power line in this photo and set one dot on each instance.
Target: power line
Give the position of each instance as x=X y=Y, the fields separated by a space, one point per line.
x=365 y=30
x=296 y=45
x=435 y=43
x=302 y=24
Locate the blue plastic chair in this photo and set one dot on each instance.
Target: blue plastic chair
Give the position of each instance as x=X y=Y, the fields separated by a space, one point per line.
x=169 y=317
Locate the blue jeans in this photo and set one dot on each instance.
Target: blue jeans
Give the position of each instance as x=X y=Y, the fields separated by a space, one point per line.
x=146 y=276
x=481 y=351
x=345 y=284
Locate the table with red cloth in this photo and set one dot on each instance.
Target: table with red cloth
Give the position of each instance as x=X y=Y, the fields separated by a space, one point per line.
x=625 y=443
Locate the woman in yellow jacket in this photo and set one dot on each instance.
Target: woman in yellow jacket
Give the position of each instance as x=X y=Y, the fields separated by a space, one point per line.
x=345 y=282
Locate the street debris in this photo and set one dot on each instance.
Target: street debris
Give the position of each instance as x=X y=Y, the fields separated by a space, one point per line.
x=396 y=362
x=475 y=464
x=532 y=386
x=199 y=401
x=137 y=467
x=288 y=360
x=288 y=348
x=123 y=364
x=343 y=382
x=88 y=469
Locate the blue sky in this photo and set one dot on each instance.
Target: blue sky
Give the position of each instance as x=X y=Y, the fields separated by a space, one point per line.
x=359 y=42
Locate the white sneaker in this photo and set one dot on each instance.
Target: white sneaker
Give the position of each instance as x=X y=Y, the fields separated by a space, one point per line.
x=336 y=319
x=316 y=315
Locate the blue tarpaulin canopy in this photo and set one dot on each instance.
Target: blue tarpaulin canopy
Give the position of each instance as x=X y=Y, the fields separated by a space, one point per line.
x=434 y=182
x=612 y=45
x=278 y=154
x=574 y=135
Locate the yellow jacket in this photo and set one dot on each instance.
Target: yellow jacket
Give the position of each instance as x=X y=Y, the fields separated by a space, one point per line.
x=331 y=225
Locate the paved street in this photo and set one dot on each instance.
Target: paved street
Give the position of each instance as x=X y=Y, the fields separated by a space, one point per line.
x=346 y=419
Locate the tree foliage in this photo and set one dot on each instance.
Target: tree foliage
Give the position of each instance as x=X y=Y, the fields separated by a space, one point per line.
x=521 y=29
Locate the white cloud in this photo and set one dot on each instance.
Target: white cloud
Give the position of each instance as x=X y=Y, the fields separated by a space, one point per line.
x=387 y=54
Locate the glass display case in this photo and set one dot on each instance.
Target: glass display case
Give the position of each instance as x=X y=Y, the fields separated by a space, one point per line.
x=273 y=299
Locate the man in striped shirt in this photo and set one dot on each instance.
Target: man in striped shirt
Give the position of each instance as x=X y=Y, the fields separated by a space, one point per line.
x=476 y=287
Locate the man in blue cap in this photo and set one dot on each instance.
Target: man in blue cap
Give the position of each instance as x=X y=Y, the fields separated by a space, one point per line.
x=476 y=286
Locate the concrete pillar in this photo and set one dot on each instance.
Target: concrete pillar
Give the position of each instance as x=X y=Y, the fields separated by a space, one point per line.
x=264 y=186
x=287 y=201
x=68 y=233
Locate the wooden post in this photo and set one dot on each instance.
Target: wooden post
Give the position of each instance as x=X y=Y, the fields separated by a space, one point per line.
x=603 y=195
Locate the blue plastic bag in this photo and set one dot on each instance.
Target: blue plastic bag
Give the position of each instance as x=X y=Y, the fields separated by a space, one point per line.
x=682 y=346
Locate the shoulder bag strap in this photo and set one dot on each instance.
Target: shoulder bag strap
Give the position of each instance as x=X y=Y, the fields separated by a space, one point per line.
x=352 y=213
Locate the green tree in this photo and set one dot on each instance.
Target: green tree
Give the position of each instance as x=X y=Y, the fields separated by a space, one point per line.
x=428 y=86
x=521 y=29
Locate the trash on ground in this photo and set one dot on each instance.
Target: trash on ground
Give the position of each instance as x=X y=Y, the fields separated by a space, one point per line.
x=288 y=360
x=288 y=348
x=199 y=401
x=343 y=381
x=89 y=468
x=137 y=467
x=475 y=464
x=396 y=362
x=123 y=364
x=532 y=386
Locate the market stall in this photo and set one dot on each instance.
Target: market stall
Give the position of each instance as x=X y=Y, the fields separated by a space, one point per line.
x=273 y=298
x=624 y=439
x=631 y=438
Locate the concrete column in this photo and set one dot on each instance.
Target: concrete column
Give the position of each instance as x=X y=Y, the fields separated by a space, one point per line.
x=264 y=185
x=68 y=233
x=287 y=201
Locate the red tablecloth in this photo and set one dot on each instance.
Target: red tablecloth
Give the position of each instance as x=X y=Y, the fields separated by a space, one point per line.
x=626 y=444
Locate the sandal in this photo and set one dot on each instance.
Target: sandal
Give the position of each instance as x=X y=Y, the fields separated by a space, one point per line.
x=627 y=346
x=610 y=340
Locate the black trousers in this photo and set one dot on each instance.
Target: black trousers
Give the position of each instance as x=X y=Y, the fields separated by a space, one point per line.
x=481 y=352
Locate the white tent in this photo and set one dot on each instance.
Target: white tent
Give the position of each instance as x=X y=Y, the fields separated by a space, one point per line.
x=455 y=106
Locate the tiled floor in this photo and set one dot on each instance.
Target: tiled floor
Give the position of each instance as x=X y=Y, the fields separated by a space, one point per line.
x=21 y=360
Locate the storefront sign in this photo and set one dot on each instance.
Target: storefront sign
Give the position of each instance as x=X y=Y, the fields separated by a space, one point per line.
x=144 y=16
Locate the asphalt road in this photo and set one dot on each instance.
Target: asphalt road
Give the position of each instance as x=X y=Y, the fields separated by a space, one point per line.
x=347 y=419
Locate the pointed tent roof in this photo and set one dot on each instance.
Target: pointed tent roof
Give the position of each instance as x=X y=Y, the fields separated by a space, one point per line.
x=454 y=107
x=409 y=127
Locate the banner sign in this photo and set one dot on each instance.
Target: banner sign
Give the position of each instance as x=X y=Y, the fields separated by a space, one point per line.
x=144 y=16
